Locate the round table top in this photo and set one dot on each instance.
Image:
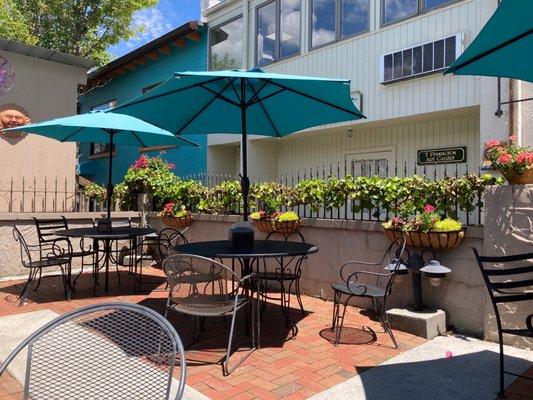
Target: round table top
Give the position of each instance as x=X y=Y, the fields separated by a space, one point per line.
x=261 y=249
x=123 y=232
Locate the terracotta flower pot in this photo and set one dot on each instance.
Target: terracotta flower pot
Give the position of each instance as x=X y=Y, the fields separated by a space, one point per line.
x=515 y=178
x=432 y=240
x=174 y=222
x=264 y=225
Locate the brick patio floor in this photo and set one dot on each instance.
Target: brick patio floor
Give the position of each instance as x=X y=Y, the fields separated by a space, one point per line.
x=287 y=366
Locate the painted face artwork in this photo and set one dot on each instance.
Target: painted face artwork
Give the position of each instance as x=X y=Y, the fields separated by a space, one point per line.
x=12 y=116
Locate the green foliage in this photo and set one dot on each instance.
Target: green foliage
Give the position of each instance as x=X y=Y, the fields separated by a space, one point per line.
x=270 y=196
x=84 y=28
x=447 y=225
x=226 y=62
x=95 y=192
x=222 y=199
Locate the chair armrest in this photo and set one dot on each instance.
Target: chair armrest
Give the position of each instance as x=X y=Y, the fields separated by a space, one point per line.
x=354 y=263
x=248 y=277
x=58 y=251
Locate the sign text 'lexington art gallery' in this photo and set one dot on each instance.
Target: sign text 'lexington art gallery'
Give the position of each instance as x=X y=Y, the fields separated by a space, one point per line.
x=442 y=156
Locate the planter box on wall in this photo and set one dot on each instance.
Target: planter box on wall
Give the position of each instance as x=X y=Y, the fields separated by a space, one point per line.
x=433 y=240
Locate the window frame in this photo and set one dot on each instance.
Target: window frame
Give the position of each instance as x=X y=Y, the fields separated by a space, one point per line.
x=92 y=155
x=226 y=22
x=277 y=53
x=338 y=26
x=421 y=9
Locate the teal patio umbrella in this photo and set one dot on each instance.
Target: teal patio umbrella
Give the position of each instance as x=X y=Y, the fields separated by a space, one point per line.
x=243 y=102
x=504 y=47
x=102 y=127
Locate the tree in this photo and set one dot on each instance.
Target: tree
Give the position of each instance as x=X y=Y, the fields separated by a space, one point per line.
x=85 y=28
x=13 y=24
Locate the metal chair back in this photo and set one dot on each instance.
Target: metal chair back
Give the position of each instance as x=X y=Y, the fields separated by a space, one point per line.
x=24 y=248
x=46 y=231
x=107 y=351
x=197 y=284
x=294 y=263
x=167 y=239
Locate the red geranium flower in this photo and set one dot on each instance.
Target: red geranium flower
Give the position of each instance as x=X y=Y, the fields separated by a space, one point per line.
x=504 y=158
x=428 y=208
x=489 y=144
x=525 y=158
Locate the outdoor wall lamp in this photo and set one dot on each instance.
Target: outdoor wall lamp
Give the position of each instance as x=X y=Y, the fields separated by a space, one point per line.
x=401 y=270
x=435 y=271
x=349 y=132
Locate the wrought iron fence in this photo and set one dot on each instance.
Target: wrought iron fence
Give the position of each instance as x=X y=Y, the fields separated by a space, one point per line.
x=382 y=168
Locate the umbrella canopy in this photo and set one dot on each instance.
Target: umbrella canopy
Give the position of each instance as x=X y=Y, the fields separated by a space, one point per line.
x=243 y=102
x=504 y=47
x=100 y=127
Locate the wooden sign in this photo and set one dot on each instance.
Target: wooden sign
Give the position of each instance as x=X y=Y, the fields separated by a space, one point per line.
x=442 y=156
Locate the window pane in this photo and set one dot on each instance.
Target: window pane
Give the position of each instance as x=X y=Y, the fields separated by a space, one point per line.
x=323 y=22
x=439 y=54
x=266 y=34
x=417 y=60
x=290 y=27
x=395 y=10
x=450 y=50
x=397 y=65
x=428 y=57
x=354 y=17
x=387 y=68
x=407 y=62
x=429 y=4
x=226 y=46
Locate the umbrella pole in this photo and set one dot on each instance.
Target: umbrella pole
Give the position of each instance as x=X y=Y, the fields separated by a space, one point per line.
x=245 y=181
x=109 y=175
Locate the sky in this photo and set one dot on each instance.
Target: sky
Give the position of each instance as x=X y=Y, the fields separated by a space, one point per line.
x=165 y=16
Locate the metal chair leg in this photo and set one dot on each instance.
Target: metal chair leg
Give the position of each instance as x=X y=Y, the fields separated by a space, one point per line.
x=27 y=287
x=335 y=311
x=40 y=278
x=385 y=323
x=226 y=369
x=299 y=295
x=340 y=321
x=501 y=393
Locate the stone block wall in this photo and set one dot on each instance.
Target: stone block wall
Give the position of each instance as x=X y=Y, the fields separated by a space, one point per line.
x=508 y=231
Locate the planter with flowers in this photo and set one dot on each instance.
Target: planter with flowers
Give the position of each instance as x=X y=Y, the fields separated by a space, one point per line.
x=514 y=162
x=175 y=216
x=284 y=222
x=426 y=229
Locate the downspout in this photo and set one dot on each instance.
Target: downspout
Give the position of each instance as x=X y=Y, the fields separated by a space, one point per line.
x=246 y=29
x=511 y=108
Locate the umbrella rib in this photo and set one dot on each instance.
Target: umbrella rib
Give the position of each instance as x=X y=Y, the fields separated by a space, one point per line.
x=190 y=121
x=142 y=100
x=264 y=109
x=317 y=99
x=490 y=51
x=257 y=100
x=256 y=94
x=138 y=139
x=235 y=91
x=219 y=96
x=72 y=134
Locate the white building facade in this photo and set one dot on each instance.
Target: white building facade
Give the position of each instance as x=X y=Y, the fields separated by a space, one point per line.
x=394 y=53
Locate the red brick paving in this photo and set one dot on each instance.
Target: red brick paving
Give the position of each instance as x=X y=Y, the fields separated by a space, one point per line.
x=287 y=366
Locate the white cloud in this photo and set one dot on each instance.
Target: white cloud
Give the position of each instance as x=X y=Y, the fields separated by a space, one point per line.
x=154 y=24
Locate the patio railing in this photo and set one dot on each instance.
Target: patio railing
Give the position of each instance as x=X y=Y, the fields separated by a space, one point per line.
x=381 y=168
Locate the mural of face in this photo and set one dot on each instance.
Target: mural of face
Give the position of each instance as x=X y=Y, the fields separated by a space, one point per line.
x=12 y=116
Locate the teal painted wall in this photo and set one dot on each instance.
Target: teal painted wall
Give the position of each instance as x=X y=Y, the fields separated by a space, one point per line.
x=188 y=160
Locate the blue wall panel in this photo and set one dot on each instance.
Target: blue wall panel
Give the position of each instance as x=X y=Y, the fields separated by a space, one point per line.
x=188 y=160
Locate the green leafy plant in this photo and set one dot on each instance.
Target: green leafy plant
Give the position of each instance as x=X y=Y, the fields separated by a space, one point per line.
x=425 y=221
x=287 y=216
x=174 y=210
x=447 y=225
x=508 y=156
x=95 y=192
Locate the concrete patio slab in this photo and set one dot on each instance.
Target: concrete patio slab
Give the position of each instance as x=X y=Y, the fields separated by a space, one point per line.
x=15 y=328
x=470 y=372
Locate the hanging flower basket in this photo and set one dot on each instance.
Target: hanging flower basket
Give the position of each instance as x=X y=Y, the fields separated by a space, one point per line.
x=514 y=178
x=264 y=225
x=177 y=222
x=287 y=226
x=432 y=239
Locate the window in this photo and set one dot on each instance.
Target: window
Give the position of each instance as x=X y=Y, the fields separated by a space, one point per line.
x=278 y=31
x=397 y=10
x=333 y=20
x=371 y=162
x=101 y=149
x=420 y=60
x=225 y=45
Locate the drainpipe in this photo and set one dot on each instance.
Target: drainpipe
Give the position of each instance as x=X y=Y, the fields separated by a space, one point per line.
x=246 y=28
x=511 y=108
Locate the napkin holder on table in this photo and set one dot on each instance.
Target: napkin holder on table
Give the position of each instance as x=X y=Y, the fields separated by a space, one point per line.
x=241 y=235
x=103 y=225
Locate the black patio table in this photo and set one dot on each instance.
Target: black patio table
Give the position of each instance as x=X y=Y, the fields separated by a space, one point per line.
x=248 y=256
x=118 y=233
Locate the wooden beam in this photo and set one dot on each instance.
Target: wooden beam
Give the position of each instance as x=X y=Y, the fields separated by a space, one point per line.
x=194 y=35
x=130 y=66
x=152 y=55
x=119 y=71
x=140 y=61
x=179 y=43
x=165 y=49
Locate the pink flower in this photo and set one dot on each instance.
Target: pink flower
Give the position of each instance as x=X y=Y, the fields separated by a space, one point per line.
x=168 y=208
x=171 y=165
x=512 y=138
x=428 y=208
x=489 y=144
x=504 y=158
x=141 y=162
x=525 y=158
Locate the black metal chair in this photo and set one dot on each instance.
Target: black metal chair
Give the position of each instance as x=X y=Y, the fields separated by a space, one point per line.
x=285 y=274
x=106 y=351
x=201 y=287
x=167 y=239
x=506 y=285
x=36 y=257
x=46 y=234
x=377 y=292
